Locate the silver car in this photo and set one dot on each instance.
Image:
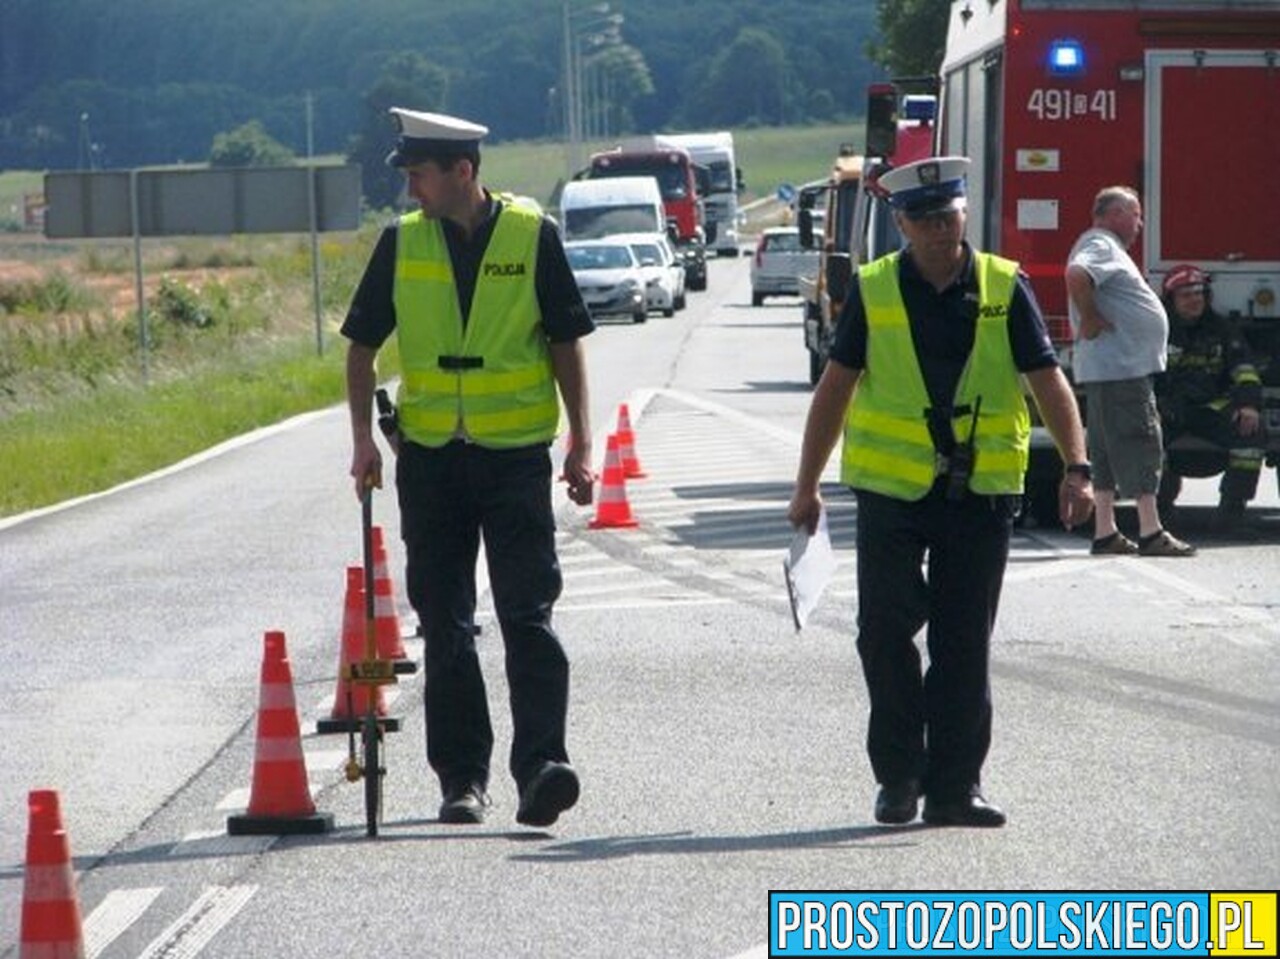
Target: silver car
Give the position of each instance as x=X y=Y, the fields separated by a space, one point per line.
x=778 y=263
x=609 y=278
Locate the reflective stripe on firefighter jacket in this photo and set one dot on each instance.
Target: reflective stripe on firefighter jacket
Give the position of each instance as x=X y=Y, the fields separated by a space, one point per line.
x=1210 y=364
x=490 y=381
x=887 y=445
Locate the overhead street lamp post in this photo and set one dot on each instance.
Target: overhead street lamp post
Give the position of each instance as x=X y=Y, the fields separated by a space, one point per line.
x=601 y=28
x=589 y=48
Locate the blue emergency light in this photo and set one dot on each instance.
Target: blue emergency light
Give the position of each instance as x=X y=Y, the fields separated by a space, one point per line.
x=1066 y=57
x=919 y=107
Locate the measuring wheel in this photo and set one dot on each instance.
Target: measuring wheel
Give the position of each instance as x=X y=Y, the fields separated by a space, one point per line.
x=373 y=770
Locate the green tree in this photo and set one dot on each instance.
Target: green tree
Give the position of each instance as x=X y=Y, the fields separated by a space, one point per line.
x=913 y=36
x=408 y=80
x=248 y=145
x=621 y=78
x=747 y=81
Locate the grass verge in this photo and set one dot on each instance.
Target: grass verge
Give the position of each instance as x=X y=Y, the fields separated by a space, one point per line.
x=93 y=442
x=232 y=343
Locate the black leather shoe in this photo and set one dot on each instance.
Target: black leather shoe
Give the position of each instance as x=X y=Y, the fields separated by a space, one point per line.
x=464 y=805
x=971 y=810
x=552 y=790
x=897 y=803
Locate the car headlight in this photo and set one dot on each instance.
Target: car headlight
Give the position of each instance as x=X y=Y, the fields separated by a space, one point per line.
x=629 y=286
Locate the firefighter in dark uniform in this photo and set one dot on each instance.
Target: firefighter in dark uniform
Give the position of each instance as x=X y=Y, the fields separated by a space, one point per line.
x=925 y=378
x=488 y=321
x=1210 y=389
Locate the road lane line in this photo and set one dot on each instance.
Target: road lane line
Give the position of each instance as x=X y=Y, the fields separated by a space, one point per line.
x=193 y=930
x=324 y=760
x=118 y=911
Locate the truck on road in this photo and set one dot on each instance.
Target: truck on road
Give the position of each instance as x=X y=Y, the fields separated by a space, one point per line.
x=714 y=152
x=677 y=177
x=857 y=226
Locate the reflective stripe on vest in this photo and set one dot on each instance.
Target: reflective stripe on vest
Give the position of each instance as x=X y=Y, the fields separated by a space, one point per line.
x=887 y=445
x=491 y=381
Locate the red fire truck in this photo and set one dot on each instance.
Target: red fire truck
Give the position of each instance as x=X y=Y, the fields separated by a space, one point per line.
x=1053 y=100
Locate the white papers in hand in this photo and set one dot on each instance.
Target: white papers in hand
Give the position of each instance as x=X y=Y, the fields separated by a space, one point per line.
x=808 y=567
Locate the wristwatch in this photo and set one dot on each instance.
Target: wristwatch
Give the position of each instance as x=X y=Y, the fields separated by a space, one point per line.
x=1083 y=470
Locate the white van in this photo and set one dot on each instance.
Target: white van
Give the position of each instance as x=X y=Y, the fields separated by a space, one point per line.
x=590 y=209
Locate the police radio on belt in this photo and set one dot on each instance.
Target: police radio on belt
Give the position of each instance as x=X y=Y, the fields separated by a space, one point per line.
x=960 y=462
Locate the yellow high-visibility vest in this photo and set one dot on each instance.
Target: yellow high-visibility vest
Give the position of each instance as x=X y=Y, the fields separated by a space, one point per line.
x=887 y=445
x=491 y=380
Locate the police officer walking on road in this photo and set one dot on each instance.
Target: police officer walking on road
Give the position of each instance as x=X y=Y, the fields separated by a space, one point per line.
x=488 y=321
x=925 y=376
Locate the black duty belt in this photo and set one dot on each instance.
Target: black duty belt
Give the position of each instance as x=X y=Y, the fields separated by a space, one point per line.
x=460 y=362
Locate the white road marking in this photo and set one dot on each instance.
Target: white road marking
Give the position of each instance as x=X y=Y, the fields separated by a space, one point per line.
x=117 y=912
x=193 y=930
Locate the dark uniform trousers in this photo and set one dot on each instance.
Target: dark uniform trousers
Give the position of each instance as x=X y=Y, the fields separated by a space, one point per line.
x=449 y=497
x=934 y=727
x=1241 y=466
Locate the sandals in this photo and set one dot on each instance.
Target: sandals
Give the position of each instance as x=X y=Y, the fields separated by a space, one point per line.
x=1164 y=543
x=1117 y=544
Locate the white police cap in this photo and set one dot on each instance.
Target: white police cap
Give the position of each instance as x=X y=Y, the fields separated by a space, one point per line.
x=426 y=135
x=934 y=185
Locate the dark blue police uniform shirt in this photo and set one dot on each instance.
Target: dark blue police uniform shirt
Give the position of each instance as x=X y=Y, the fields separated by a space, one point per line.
x=372 y=315
x=943 y=325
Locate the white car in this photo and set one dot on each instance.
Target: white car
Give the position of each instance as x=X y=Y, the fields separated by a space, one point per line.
x=609 y=278
x=663 y=269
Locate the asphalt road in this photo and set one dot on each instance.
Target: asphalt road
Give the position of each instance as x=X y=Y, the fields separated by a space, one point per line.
x=1137 y=713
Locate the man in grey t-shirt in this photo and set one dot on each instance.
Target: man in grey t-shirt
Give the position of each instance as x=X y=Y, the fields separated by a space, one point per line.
x=1121 y=332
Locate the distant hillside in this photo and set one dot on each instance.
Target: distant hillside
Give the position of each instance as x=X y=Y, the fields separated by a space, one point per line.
x=135 y=82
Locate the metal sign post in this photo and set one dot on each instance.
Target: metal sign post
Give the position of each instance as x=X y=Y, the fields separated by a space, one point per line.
x=203 y=202
x=144 y=335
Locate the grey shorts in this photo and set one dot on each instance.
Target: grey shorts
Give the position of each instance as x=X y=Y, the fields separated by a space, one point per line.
x=1125 y=444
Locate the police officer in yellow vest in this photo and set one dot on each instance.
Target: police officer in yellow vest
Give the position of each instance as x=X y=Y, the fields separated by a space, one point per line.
x=925 y=380
x=488 y=321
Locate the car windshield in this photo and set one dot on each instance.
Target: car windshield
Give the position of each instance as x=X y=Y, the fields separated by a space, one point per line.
x=782 y=242
x=721 y=176
x=647 y=253
x=671 y=177
x=599 y=257
x=586 y=223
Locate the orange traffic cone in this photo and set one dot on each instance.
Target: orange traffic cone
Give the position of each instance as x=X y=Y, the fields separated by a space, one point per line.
x=51 y=927
x=612 y=509
x=385 y=619
x=280 y=799
x=631 y=467
x=351 y=700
